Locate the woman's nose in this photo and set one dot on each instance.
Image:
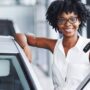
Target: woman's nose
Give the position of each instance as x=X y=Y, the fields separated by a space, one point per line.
x=68 y=23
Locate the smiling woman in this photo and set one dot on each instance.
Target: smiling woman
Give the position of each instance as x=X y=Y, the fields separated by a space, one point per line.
x=69 y=23
x=70 y=63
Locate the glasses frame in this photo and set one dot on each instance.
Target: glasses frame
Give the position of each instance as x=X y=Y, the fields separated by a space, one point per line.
x=70 y=20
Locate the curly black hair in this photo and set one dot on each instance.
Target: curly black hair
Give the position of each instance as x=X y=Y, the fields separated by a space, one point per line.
x=57 y=7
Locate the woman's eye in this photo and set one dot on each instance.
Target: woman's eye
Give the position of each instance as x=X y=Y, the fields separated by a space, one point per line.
x=73 y=19
x=61 y=20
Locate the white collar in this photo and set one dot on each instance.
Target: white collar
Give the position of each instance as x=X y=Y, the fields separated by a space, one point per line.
x=78 y=45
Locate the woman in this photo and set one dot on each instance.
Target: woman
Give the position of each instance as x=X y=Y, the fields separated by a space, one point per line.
x=70 y=63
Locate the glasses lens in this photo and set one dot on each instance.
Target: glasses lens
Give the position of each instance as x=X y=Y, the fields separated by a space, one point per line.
x=63 y=20
x=72 y=19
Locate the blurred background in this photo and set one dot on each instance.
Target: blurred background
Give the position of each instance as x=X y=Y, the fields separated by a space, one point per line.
x=28 y=16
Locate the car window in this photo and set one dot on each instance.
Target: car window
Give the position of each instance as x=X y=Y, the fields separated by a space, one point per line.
x=12 y=76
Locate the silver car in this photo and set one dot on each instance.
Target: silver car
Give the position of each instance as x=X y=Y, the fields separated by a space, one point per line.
x=16 y=73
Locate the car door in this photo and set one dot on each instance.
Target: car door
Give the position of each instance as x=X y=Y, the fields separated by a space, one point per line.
x=16 y=73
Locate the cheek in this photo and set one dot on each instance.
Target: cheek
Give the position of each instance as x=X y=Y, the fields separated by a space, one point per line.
x=77 y=25
x=60 y=27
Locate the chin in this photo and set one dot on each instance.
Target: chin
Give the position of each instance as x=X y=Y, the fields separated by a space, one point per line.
x=69 y=35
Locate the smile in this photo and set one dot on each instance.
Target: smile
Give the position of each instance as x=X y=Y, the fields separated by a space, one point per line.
x=68 y=30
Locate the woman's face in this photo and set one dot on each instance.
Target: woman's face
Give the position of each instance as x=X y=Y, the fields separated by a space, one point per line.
x=68 y=24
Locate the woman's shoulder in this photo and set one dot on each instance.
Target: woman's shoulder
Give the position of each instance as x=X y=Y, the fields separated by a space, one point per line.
x=58 y=42
x=53 y=43
x=84 y=41
x=83 y=38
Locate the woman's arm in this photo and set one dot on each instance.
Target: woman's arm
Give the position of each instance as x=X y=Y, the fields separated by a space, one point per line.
x=25 y=40
x=41 y=42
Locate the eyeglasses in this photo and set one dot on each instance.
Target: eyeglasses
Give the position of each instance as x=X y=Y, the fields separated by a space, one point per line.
x=71 y=20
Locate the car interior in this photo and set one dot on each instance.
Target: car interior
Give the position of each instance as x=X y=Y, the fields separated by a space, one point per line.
x=9 y=79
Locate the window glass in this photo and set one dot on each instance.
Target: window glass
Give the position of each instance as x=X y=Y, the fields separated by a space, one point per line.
x=12 y=76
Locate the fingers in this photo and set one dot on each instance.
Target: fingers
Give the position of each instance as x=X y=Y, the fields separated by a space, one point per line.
x=28 y=53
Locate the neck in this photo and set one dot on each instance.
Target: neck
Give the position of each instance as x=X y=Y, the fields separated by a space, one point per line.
x=70 y=42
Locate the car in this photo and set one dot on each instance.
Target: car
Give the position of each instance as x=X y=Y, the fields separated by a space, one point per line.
x=7 y=27
x=85 y=84
x=16 y=72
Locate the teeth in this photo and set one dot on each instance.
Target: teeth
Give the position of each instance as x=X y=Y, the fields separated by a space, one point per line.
x=68 y=30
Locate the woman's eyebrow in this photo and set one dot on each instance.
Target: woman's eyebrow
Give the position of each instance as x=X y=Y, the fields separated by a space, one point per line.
x=66 y=18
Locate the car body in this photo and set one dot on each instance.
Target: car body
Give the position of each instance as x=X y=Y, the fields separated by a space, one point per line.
x=85 y=84
x=16 y=72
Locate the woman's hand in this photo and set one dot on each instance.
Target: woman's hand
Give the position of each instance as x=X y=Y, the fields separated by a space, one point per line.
x=22 y=41
x=28 y=53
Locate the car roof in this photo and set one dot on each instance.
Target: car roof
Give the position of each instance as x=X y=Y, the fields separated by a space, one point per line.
x=7 y=45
